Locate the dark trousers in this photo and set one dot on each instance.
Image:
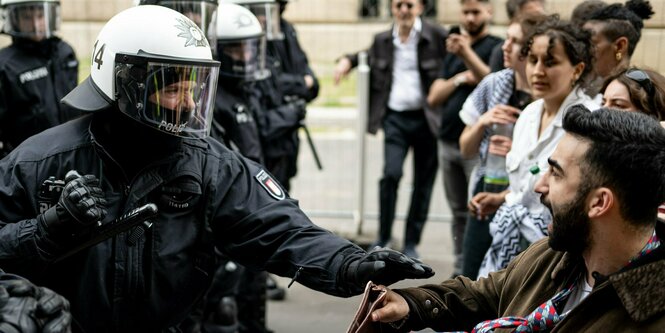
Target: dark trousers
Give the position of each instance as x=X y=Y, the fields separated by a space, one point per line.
x=477 y=240
x=405 y=130
x=456 y=172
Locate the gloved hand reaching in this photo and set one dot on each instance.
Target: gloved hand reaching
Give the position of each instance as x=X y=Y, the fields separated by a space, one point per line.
x=384 y=266
x=81 y=203
x=26 y=308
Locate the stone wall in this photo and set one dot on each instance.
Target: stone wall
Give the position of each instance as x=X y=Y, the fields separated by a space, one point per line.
x=330 y=28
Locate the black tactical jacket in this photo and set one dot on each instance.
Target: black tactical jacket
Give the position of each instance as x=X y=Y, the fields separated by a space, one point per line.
x=236 y=108
x=206 y=194
x=34 y=77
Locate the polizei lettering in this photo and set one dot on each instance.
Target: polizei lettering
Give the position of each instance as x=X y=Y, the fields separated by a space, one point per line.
x=171 y=127
x=34 y=74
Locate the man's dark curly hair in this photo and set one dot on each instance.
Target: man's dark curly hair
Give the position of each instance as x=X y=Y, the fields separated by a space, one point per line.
x=576 y=43
x=624 y=20
x=626 y=155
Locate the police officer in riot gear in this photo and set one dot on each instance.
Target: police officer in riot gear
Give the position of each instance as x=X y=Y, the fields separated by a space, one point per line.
x=241 y=51
x=236 y=299
x=36 y=71
x=150 y=99
x=283 y=105
x=281 y=114
x=295 y=80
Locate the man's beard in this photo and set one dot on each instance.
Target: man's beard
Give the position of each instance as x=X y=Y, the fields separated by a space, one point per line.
x=477 y=31
x=570 y=225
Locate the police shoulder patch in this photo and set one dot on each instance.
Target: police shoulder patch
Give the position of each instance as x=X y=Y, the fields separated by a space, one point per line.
x=270 y=185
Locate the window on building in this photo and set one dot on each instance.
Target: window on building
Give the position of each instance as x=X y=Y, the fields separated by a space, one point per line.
x=380 y=9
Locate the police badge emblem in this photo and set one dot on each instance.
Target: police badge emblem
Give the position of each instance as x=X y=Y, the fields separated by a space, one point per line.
x=270 y=185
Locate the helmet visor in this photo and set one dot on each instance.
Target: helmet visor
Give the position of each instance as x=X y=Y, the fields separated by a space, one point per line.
x=200 y=12
x=268 y=15
x=32 y=20
x=175 y=98
x=243 y=59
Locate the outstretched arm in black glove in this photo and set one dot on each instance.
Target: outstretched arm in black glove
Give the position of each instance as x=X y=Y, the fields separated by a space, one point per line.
x=26 y=308
x=382 y=266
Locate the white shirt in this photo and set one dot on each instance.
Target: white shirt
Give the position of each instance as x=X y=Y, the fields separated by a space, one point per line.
x=528 y=149
x=406 y=90
x=582 y=290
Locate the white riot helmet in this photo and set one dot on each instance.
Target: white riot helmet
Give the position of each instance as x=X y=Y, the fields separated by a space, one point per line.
x=160 y=74
x=30 y=19
x=267 y=11
x=202 y=12
x=241 y=46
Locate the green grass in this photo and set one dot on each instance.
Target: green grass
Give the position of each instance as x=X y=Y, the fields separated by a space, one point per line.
x=330 y=95
x=342 y=95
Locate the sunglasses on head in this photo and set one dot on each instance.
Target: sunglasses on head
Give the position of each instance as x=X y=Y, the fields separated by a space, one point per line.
x=642 y=78
x=408 y=5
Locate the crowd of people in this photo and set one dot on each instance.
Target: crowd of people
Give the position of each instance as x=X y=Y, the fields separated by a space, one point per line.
x=549 y=143
x=557 y=146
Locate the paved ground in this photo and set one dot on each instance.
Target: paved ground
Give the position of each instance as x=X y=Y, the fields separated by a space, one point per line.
x=330 y=198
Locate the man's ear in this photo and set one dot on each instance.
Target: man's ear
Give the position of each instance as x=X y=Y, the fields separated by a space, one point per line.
x=601 y=201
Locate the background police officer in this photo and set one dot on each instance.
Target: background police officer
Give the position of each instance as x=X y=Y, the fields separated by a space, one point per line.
x=284 y=94
x=36 y=71
x=236 y=301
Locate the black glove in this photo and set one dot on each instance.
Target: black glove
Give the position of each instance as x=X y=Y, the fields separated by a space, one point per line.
x=299 y=106
x=53 y=312
x=81 y=203
x=384 y=266
x=26 y=308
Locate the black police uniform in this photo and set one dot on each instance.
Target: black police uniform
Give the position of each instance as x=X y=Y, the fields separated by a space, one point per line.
x=279 y=121
x=234 y=123
x=288 y=66
x=207 y=196
x=293 y=65
x=34 y=77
